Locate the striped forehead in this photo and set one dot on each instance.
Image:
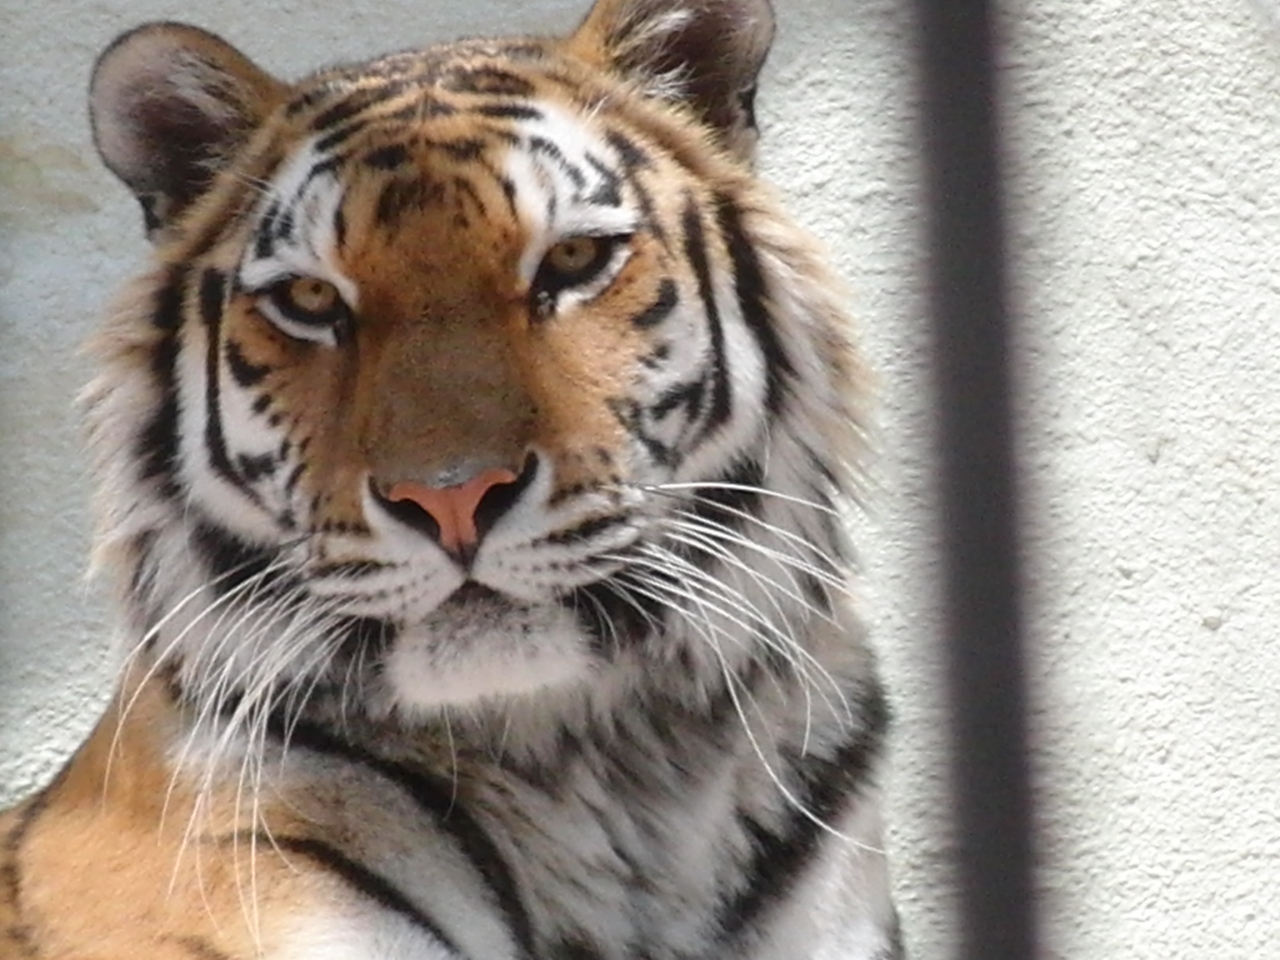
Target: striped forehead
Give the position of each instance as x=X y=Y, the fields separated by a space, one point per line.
x=560 y=175
x=296 y=225
x=566 y=183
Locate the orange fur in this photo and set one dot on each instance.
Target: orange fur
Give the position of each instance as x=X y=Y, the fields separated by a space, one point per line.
x=118 y=818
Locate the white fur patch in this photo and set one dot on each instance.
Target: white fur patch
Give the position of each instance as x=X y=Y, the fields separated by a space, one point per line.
x=545 y=193
x=312 y=201
x=344 y=933
x=467 y=651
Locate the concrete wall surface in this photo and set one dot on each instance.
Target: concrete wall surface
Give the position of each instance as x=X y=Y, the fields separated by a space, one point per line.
x=1144 y=170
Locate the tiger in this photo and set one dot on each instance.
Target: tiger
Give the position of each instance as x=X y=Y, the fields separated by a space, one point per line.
x=475 y=455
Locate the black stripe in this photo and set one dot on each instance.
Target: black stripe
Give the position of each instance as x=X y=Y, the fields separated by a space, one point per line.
x=749 y=284
x=814 y=589
x=334 y=119
x=661 y=308
x=436 y=796
x=373 y=885
x=245 y=373
x=613 y=616
x=487 y=79
x=609 y=191
x=213 y=285
x=629 y=152
x=318 y=169
x=282 y=229
x=552 y=151
x=508 y=111
x=339 y=228
x=150 y=218
x=465 y=150
x=747 y=103
x=656 y=357
x=401 y=195
x=353 y=569
x=168 y=312
x=388 y=157
x=695 y=248
x=232 y=562
x=291 y=481
x=783 y=853
x=157 y=442
x=361 y=99
x=687 y=395
x=585 y=530
x=264 y=243
x=255 y=467
x=509 y=193
x=420 y=109
x=336 y=138
x=464 y=188
x=630 y=418
x=632 y=158
x=311 y=98
x=648 y=215
x=722 y=506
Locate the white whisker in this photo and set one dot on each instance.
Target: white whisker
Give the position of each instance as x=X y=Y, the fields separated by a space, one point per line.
x=744 y=488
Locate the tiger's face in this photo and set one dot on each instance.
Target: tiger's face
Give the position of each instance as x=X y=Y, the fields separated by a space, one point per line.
x=440 y=350
x=451 y=368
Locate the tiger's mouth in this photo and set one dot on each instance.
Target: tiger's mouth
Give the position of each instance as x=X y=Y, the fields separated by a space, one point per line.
x=472 y=593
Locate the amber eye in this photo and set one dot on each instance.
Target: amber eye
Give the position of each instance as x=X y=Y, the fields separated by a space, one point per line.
x=575 y=262
x=574 y=256
x=309 y=296
x=306 y=307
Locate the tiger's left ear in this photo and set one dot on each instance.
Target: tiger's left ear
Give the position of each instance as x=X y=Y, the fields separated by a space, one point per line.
x=706 y=53
x=170 y=105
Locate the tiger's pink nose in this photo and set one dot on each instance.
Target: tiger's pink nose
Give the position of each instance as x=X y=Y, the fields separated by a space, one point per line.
x=453 y=508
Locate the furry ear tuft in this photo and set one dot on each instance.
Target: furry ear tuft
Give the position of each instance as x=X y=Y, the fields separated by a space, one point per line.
x=706 y=53
x=169 y=105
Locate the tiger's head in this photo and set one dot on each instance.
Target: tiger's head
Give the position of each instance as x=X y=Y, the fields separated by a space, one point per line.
x=468 y=372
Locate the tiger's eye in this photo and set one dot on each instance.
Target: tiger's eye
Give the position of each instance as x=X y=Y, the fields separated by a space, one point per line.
x=311 y=296
x=307 y=308
x=574 y=255
x=574 y=263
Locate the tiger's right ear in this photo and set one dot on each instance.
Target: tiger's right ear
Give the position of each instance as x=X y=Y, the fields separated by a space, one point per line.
x=170 y=104
x=704 y=53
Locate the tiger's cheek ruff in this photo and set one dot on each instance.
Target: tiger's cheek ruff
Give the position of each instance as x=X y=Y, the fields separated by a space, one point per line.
x=231 y=455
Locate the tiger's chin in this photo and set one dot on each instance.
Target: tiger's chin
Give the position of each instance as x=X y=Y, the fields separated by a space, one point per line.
x=480 y=646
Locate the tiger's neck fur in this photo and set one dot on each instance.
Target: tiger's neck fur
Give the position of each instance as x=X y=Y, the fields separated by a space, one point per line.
x=648 y=811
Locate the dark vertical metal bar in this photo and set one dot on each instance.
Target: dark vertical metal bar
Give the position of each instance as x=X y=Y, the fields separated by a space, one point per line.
x=978 y=495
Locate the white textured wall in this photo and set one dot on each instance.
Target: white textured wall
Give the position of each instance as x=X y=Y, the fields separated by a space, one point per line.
x=1145 y=170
